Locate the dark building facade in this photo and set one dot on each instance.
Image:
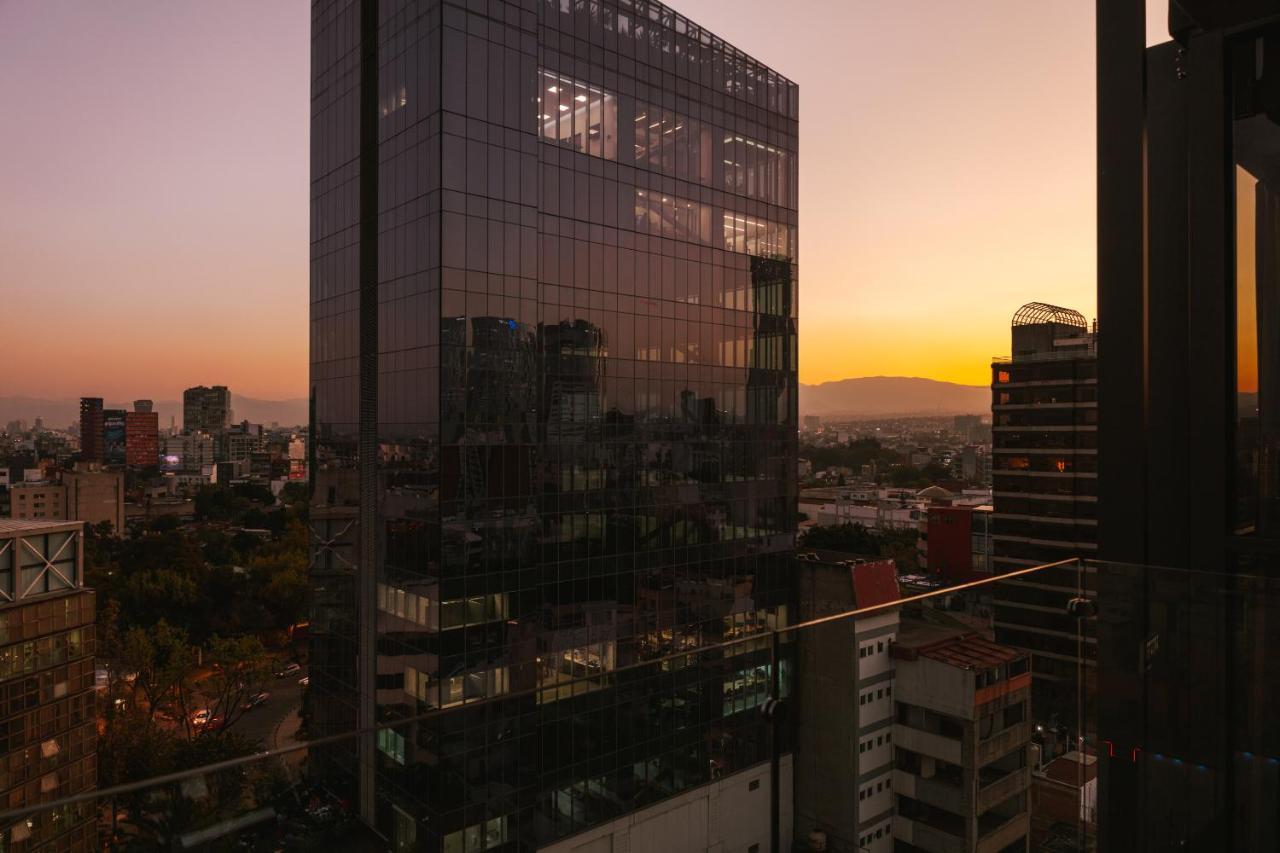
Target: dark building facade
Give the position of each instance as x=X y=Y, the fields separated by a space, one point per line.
x=1189 y=383
x=1044 y=415
x=91 y=429
x=206 y=409
x=553 y=355
x=48 y=715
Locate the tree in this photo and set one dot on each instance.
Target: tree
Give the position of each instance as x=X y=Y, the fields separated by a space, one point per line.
x=859 y=541
x=163 y=661
x=219 y=503
x=279 y=576
x=240 y=668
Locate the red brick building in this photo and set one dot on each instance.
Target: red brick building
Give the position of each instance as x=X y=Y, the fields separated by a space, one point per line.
x=141 y=439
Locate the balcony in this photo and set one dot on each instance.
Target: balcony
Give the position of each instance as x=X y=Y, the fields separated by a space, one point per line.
x=1003 y=742
x=933 y=791
x=1003 y=788
x=926 y=837
x=927 y=743
x=1001 y=834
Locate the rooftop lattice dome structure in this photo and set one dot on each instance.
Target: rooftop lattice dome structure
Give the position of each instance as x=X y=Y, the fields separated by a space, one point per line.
x=1035 y=313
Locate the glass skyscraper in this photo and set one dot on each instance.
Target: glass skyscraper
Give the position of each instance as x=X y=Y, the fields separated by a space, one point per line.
x=553 y=386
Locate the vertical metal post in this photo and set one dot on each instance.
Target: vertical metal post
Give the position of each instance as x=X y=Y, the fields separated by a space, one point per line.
x=366 y=571
x=775 y=743
x=1122 y=395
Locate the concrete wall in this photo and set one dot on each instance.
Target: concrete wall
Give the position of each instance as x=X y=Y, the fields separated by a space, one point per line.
x=725 y=816
x=935 y=685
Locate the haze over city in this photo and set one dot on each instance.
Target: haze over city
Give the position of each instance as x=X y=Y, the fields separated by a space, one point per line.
x=159 y=180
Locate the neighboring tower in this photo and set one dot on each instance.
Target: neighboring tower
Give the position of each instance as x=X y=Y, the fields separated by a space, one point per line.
x=113 y=436
x=962 y=734
x=1044 y=410
x=142 y=436
x=50 y=748
x=553 y=386
x=206 y=409
x=91 y=429
x=844 y=702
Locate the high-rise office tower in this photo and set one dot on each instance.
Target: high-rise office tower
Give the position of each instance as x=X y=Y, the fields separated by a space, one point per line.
x=1044 y=410
x=91 y=429
x=206 y=409
x=47 y=650
x=553 y=302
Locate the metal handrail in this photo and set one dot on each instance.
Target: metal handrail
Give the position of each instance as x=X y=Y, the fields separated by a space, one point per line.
x=773 y=634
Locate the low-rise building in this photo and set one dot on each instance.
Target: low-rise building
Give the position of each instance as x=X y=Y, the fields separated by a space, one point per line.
x=958 y=542
x=37 y=500
x=94 y=496
x=961 y=735
x=1064 y=796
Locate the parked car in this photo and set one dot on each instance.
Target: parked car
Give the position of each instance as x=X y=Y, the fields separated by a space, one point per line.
x=304 y=680
x=201 y=717
x=257 y=699
x=291 y=669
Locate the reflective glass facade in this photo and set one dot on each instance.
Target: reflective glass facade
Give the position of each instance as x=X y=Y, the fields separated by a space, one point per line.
x=553 y=318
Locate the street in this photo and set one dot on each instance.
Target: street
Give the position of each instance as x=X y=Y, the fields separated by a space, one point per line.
x=262 y=722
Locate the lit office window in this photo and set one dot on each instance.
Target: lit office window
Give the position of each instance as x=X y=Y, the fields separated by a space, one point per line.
x=664 y=215
x=756 y=236
x=673 y=144
x=577 y=115
x=758 y=170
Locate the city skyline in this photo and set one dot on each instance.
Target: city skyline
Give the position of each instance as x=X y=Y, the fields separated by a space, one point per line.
x=180 y=205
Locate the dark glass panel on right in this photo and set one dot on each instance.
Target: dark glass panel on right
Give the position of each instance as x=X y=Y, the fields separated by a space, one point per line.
x=1256 y=184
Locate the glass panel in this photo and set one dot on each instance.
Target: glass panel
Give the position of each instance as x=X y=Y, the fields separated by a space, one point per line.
x=577 y=115
x=1256 y=139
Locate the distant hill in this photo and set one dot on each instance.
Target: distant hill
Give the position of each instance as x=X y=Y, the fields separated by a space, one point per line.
x=58 y=414
x=877 y=396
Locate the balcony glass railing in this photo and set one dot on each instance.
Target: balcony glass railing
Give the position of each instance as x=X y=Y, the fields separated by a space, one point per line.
x=972 y=731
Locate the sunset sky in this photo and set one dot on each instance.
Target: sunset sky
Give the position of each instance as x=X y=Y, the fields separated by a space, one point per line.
x=153 y=184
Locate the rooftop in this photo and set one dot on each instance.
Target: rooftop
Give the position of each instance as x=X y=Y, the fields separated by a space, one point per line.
x=1074 y=768
x=17 y=526
x=1034 y=313
x=952 y=646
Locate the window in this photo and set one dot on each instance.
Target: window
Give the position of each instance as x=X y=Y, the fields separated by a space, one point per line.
x=665 y=215
x=391 y=744
x=880 y=647
x=577 y=115
x=758 y=170
x=756 y=236
x=673 y=144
